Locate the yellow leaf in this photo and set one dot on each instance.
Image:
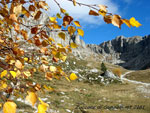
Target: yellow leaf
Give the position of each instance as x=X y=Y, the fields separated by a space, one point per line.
x=3 y=73
x=27 y=73
x=3 y=85
x=53 y=19
x=64 y=58
x=1 y=22
x=80 y=32
x=62 y=35
x=73 y=45
x=73 y=76
x=48 y=88
x=51 y=39
x=9 y=107
x=0 y=105
x=18 y=73
x=134 y=22
x=77 y=23
x=93 y=13
x=62 y=10
x=58 y=15
x=52 y=68
x=31 y=98
x=102 y=12
x=74 y=2
x=26 y=59
x=67 y=79
x=127 y=22
x=18 y=64
x=42 y=107
x=71 y=30
x=13 y=73
x=17 y=9
x=103 y=7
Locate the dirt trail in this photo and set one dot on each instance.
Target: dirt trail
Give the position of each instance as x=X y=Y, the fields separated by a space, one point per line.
x=133 y=81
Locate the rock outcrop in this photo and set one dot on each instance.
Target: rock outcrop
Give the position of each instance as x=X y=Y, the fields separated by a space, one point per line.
x=131 y=53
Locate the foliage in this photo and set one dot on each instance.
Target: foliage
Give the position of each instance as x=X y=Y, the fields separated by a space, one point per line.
x=117 y=72
x=18 y=65
x=103 y=67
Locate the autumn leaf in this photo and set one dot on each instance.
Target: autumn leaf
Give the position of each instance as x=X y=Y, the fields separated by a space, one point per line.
x=3 y=85
x=94 y=13
x=13 y=17
x=103 y=8
x=27 y=73
x=52 y=68
x=13 y=73
x=134 y=22
x=48 y=75
x=3 y=73
x=31 y=97
x=67 y=79
x=80 y=32
x=73 y=45
x=108 y=19
x=62 y=10
x=9 y=107
x=34 y=30
x=67 y=20
x=26 y=59
x=73 y=76
x=127 y=22
x=71 y=30
x=42 y=108
x=74 y=2
x=53 y=19
x=18 y=64
x=17 y=9
x=58 y=16
x=43 y=5
x=64 y=58
x=62 y=35
x=37 y=15
x=116 y=21
x=77 y=23
x=102 y=12
x=31 y=8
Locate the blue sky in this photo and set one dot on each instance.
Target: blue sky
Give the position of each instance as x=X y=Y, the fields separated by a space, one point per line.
x=96 y=31
x=140 y=9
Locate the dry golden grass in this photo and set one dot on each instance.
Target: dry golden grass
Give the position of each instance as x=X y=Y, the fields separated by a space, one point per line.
x=117 y=71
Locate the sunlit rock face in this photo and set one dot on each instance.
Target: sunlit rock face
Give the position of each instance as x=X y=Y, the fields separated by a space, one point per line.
x=131 y=53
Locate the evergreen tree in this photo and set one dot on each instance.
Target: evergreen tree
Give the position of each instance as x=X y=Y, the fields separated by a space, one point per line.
x=103 y=67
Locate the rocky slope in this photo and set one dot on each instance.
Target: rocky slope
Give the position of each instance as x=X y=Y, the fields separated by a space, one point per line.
x=131 y=53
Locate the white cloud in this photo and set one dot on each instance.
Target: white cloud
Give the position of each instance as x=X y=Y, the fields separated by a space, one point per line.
x=81 y=12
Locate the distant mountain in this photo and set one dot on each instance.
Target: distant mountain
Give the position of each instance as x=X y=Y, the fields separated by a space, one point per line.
x=131 y=53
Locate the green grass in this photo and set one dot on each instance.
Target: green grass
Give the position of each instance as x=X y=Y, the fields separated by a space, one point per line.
x=141 y=75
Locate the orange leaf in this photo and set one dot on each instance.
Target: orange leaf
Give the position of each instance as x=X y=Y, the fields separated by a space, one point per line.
x=108 y=19
x=32 y=98
x=38 y=14
x=127 y=22
x=13 y=17
x=93 y=13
